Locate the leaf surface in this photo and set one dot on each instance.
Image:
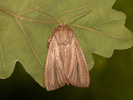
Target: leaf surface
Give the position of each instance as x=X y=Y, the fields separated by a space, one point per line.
x=100 y=32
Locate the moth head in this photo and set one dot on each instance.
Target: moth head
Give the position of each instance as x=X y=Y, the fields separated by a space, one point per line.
x=61 y=24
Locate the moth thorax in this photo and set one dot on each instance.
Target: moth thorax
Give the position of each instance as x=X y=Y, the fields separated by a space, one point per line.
x=63 y=34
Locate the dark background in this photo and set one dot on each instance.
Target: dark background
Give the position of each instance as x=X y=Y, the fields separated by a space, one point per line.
x=111 y=79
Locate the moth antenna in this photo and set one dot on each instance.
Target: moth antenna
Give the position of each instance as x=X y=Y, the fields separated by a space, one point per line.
x=77 y=15
x=48 y=15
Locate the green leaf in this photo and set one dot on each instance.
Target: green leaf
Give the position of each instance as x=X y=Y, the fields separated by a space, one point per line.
x=99 y=32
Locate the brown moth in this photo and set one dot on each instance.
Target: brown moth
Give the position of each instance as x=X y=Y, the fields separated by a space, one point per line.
x=65 y=61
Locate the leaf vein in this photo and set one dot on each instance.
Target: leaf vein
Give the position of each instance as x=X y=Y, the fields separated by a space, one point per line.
x=15 y=16
x=2 y=56
x=29 y=42
x=100 y=42
x=96 y=31
x=36 y=7
x=78 y=8
x=106 y=22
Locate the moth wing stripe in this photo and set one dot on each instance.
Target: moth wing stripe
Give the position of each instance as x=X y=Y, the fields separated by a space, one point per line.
x=54 y=77
x=80 y=70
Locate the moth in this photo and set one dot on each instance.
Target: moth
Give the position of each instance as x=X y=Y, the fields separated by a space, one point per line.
x=65 y=63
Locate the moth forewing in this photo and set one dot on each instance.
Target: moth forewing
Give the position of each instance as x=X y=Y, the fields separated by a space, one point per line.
x=65 y=61
x=78 y=74
x=49 y=40
x=54 y=76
